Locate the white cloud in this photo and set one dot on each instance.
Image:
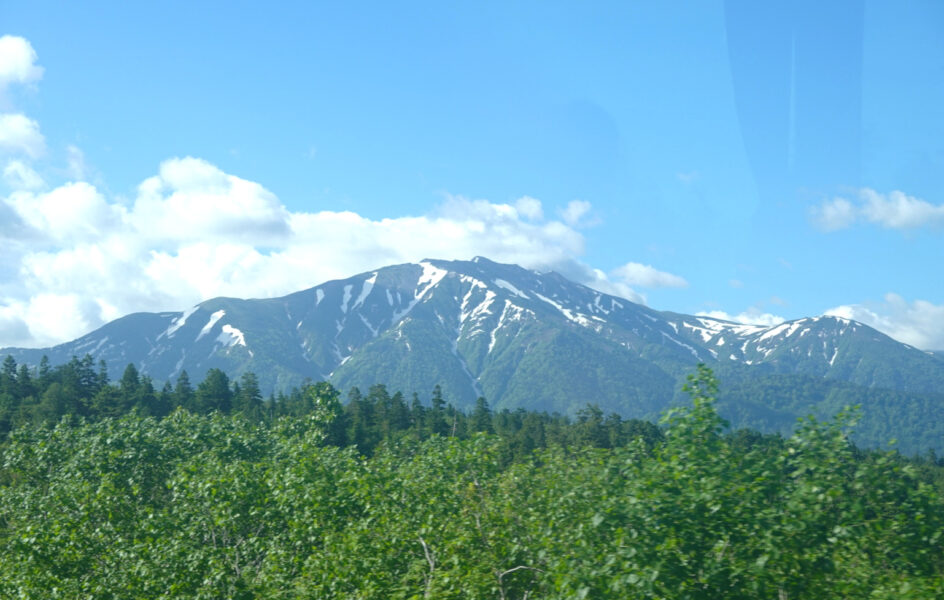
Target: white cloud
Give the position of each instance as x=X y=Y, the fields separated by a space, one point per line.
x=529 y=208
x=70 y=213
x=835 y=214
x=192 y=200
x=751 y=316
x=575 y=211
x=20 y=135
x=919 y=323
x=895 y=210
x=193 y=232
x=17 y=62
x=633 y=273
x=20 y=176
x=900 y=211
x=75 y=161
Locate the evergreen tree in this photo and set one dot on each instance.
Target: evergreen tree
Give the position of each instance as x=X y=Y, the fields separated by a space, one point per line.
x=399 y=413
x=145 y=398
x=165 y=401
x=183 y=392
x=436 y=417
x=102 y=379
x=417 y=415
x=24 y=383
x=108 y=402
x=248 y=398
x=213 y=393
x=44 y=371
x=482 y=417
x=130 y=381
x=8 y=376
x=361 y=430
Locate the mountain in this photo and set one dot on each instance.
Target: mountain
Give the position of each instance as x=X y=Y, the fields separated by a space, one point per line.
x=521 y=339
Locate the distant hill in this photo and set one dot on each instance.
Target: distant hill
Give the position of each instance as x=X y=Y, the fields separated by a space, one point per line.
x=535 y=340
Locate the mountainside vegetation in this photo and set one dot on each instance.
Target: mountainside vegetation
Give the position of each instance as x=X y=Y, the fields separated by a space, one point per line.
x=765 y=401
x=222 y=496
x=520 y=338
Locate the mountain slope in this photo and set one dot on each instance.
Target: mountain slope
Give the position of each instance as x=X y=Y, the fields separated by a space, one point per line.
x=518 y=337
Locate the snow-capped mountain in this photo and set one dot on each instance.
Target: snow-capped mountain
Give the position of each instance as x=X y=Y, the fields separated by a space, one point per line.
x=515 y=336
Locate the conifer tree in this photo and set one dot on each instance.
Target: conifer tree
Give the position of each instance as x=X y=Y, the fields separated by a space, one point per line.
x=183 y=392
x=482 y=416
x=248 y=399
x=436 y=416
x=213 y=393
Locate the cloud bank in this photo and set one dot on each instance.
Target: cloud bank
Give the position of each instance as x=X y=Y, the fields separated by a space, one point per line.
x=193 y=232
x=75 y=259
x=751 y=316
x=919 y=323
x=895 y=210
x=633 y=273
x=17 y=62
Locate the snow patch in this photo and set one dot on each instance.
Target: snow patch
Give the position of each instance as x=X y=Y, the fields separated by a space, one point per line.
x=684 y=345
x=507 y=286
x=774 y=331
x=481 y=309
x=231 y=336
x=347 y=297
x=319 y=296
x=99 y=345
x=596 y=302
x=180 y=363
x=430 y=277
x=704 y=333
x=213 y=319
x=367 y=324
x=365 y=291
x=178 y=323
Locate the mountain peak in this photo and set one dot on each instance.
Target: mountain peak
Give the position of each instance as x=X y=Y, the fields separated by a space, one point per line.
x=484 y=328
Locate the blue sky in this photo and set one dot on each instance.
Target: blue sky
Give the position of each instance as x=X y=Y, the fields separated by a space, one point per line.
x=740 y=159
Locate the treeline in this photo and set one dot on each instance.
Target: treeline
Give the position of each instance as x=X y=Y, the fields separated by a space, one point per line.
x=227 y=506
x=82 y=389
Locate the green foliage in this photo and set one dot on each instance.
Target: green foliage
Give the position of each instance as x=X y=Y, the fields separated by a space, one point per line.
x=227 y=506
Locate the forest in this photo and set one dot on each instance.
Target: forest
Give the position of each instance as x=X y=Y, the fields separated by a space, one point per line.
x=120 y=490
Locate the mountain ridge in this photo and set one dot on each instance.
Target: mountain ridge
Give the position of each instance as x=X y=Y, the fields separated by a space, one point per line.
x=518 y=337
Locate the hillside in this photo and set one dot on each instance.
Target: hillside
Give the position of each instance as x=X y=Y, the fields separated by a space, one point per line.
x=521 y=339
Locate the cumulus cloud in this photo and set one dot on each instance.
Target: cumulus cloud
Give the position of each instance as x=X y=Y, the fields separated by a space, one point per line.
x=192 y=200
x=751 y=316
x=633 y=273
x=17 y=62
x=895 y=210
x=192 y=232
x=918 y=323
x=20 y=135
x=529 y=208
x=575 y=211
x=20 y=176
